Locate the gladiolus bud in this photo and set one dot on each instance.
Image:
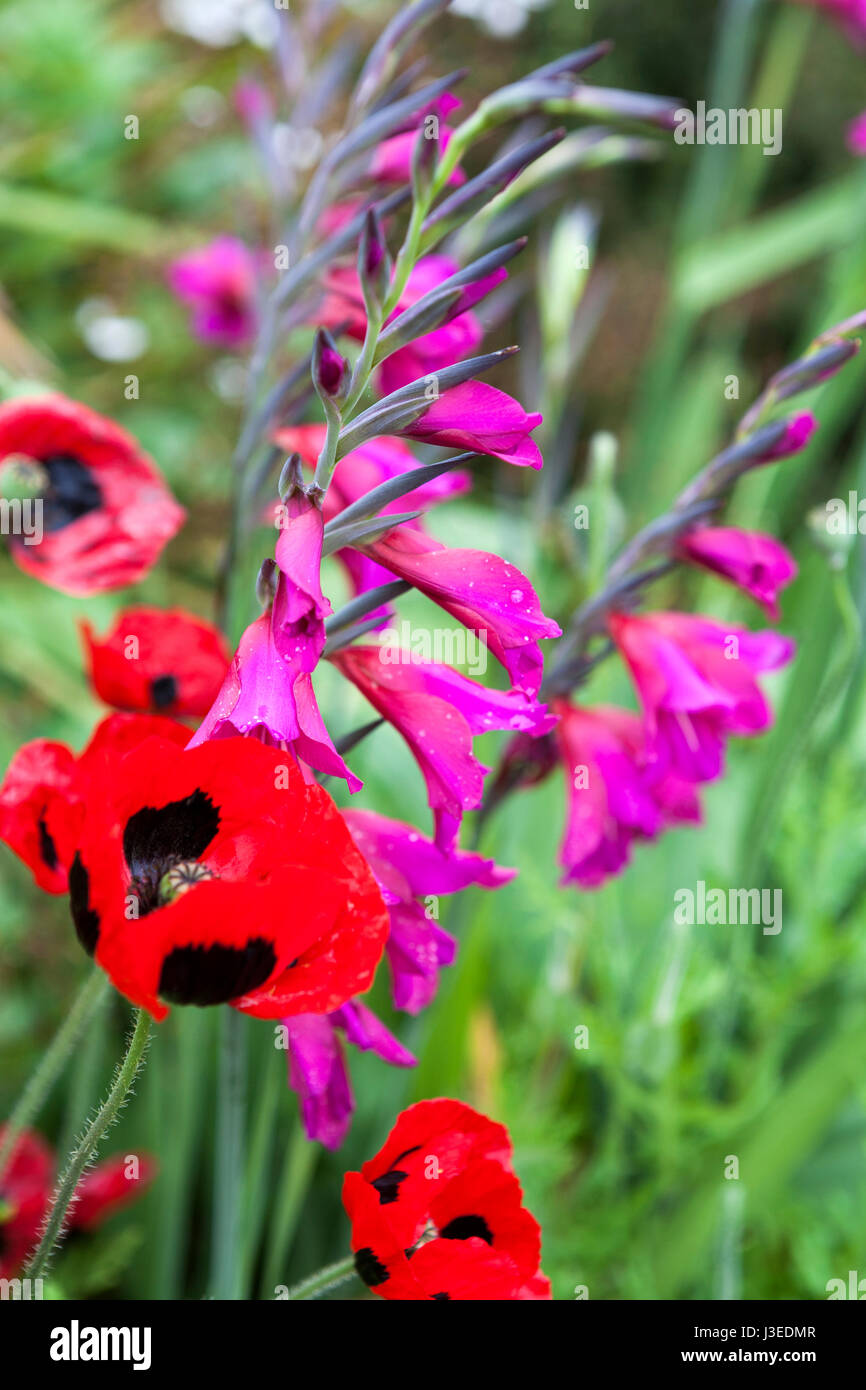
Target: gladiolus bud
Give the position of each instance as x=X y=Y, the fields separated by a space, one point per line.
x=374 y=265
x=330 y=369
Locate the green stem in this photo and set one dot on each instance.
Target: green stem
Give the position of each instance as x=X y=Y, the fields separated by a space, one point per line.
x=228 y=1174
x=258 y=1196
x=35 y=1093
x=407 y=255
x=365 y=363
x=87 y=1148
x=327 y=460
x=291 y=1191
x=328 y=1278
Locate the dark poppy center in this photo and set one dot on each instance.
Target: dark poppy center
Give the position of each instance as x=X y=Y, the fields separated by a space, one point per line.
x=157 y=839
x=71 y=493
x=464 y=1227
x=163 y=691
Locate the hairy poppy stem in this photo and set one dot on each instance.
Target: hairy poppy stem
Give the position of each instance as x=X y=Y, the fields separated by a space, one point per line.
x=328 y=1278
x=35 y=1093
x=84 y=1153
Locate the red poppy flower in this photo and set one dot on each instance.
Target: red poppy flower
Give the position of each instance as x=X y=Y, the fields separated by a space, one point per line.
x=218 y=875
x=26 y=1185
x=438 y=1214
x=158 y=660
x=44 y=792
x=106 y=512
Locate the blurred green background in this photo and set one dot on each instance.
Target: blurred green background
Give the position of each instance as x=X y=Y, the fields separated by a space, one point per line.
x=704 y=1042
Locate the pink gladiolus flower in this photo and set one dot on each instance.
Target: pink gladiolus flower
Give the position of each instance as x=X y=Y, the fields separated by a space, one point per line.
x=856 y=137
x=369 y=465
x=437 y=711
x=357 y=474
x=451 y=341
x=219 y=283
x=343 y=310
x=409 y=867
x=253 y=103
x=479 y=417
x=318 y=1070
x=482 y=591
x=800 y=429
x=392 y=159
x=338 y=216
x=758 y=564
x=613 y=798
x=696 y=683
x=268 y=691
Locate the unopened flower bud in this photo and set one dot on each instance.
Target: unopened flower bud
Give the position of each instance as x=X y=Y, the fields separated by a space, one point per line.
x=374 y=264
x=330 y=369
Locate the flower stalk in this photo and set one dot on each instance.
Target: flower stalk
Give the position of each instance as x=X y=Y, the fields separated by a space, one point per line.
x=86 y=1150
x=331 y=1277
x=87 y=1003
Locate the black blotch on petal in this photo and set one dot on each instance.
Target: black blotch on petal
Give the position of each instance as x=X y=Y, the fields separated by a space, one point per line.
x=71 y=493
x=215 y=974
x=441 y=1297
x=47 y=847
x=388 y=1186
x=464 y=1227
x=157 y=838
x=85 y=919
x=163 y=691
x=371 y=1270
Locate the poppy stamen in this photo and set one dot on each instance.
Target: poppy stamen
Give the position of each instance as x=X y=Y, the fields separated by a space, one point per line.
x=181 y=878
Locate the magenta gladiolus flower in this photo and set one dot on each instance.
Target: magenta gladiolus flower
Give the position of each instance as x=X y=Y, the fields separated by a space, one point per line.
x=357 y=474
x=696 y=683
x=451 y=341
x=218 y=282
x=800 y=429
x=437 y=711
x=369 y=465
x=482 y=591
x=479 y=417
x=342 y=310
x=758 y=564
x=318 y=1070
x=413 y=873
x=392 y=159
x=253 y=103
x=339 y=215
x=856 y=136
x=268 y=691
x=614 y=799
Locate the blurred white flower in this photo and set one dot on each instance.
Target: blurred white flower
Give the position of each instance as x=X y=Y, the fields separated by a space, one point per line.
x=228 y=377
x=297 y=147
x=501 y=18
x=111 y=336
x=203 y=106
x=219 y=23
